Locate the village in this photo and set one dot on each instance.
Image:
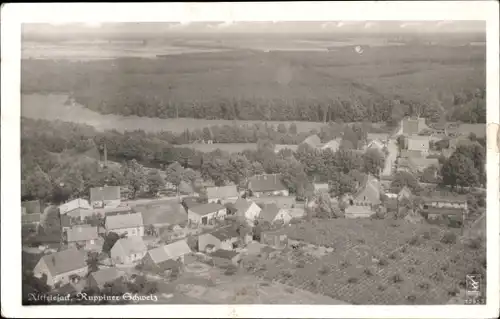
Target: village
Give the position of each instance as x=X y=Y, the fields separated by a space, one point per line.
x=183 y=246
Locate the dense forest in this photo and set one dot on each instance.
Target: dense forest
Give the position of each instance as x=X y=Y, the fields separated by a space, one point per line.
x=442 y=83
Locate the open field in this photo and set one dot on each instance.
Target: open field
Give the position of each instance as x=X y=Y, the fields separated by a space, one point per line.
x=54 y=107
x=375 y=262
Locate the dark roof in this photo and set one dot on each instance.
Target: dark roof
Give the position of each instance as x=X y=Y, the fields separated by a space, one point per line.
x=266 y=183
x=269 y=212
x=106 y=275
x=32 y=206
x=65 y=261
x=242 y=205
x=222 y=253
x=105 y=193
x=171 y=213
x=205 y=209
x=478 y=129
x=129 y=245
x=280 y=201
x=222 y=192
x=191 y=201
x=446 y=199
x=225 y=233
x=124 y=221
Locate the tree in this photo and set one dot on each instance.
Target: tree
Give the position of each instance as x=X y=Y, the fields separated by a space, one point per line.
x=292 y=129
x=175 y=174
x=401 y=142
x=325 y=208
x=134 y=176
x=282 y=128
x=402 y=179
x=459 y=170
x=155 y=181
x=93 y=261
x=373 y=161
x=429 y=174
x=109 y=241
x=342 y=184
x=37 y=184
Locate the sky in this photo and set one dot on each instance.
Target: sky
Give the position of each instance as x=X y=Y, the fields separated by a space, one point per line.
x=267 y=27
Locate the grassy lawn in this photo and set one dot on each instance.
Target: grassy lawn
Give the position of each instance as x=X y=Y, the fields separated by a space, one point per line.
x=375 y=262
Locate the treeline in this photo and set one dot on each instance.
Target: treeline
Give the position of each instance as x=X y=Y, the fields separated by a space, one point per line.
x=60 y=161
x=145 y=87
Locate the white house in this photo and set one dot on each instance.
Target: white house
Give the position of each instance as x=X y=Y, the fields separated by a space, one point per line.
x=222 y=194
x=128 y=250
x=130 y=224
x=247 y=209
x=77 y=208
x=223 y=238
x=203 y=214
x=59 y=267
x=272 y=213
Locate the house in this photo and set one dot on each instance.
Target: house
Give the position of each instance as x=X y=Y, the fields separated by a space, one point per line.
x=445 y=202
x=321 y=188
x=376 y=144
x=222 y=257
x=406 y=165
x=108 y=211
x=271 y=213
x=274 y=238
x=421 y=164
x=155 y=258
x=247 y=209
x=186 y=188
x=107 y=196
x=190 y=201
x=369 y=193
x=418 y=143
x=222 y=194
x=465 y=129
x=31 y=207
x=75 y=207
x=31 y=219
x=61 y=266
x=205 y=213
x=449 y=215
x=267 y=185
x=359 y=210
x=129 y=224
x=128 y=250
x=82 y=236
x=165 y=214
x=223 y=238
x=285 y=202
x=405 y=192
x=99 y=279
x=411 y=154
x=332 y=145
x=412 y=126
x=313 y=141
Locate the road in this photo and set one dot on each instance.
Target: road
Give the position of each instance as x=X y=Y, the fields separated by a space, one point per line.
x=392 y=148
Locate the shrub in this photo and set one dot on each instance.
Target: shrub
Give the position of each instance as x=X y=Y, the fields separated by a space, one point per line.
x=368 y=272
x=345 y=264
x=323 y=270
x=352 y=280
x=424 y=286
x=411 y=270
x=396 y=278
x=426 y=235
x=404 y=249
x=444 y=267
x=436 y=276
x=381 y=287
x=382 y=262
x=474 y=243
x=453 y=292
x=449 y=238
x=413 y=241
x=393 y=255
x=300 y=264
x=361 y=241
x=411 y=298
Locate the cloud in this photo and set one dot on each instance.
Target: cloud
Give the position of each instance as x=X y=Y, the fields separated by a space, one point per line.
x=369 y=25
x=443 y=23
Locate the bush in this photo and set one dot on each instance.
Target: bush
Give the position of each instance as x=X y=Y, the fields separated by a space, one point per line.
x=382 y=262
x=437 y=247
x=345 y=264
x=361 y=241
x=411 y=270
x=393 y=256
x=300 y=264
x=323 y=270
x=411 y=298
x=444 y=267
x=368 y=272
x=436 y=276
x=424 y=286
x=426 y=235
x=352 y=280
x=381 y=287
x=453 y=292
x=474 y=243
x=404 y=249
x=414 y=241
x=396 y=278
x=449 y=238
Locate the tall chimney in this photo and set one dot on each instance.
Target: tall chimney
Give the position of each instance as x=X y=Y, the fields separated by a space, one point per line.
x=105 y=156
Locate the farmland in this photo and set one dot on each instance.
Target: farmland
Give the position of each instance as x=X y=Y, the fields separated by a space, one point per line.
x=375 y=262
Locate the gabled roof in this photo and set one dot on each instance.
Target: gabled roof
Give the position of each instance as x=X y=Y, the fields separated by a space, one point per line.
x=111 y=211
x=334 y=144
x=105 y=193
x=205 y=209
x=82 y=233
x=225 y=233
x=106 y=275
x=31 y=218
x=323 y=187
x=312 y=140
x=269 y=212
x=129 y=245
x=280 y=201
x=74 y=204
x=222 y=191
x=169 y=252
x=65 y=261
x=170 y=213
x=444 y=210
x=226 y=254
x=124 y=221
x=266 y=183
x=242 y=205
x=370 y=182
x=459 y=199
